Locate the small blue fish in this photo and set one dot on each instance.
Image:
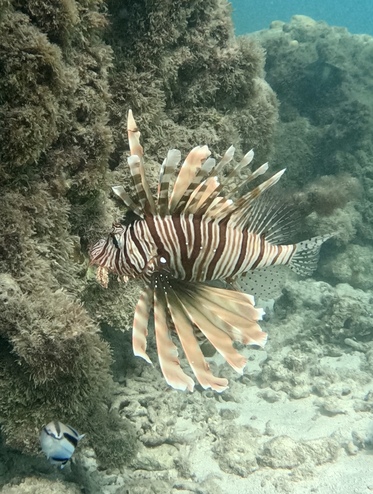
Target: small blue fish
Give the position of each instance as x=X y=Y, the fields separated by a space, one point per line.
x=58 y=441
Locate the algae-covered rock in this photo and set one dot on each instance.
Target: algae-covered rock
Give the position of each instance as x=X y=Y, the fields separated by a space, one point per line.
x=187 y=79
x=54 y=147
x=69 y=73
x=237 y=450
x=353 y=266
x=321 y=76
x=331 y=314
x=285 y=452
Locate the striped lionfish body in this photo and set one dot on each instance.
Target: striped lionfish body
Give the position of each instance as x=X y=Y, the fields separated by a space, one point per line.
x=179 y=243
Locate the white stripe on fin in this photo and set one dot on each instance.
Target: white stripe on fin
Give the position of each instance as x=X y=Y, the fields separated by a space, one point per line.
x=134 y=136
x=186 y=175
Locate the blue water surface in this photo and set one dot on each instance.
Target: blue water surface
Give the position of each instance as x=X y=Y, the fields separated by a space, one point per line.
x=253 y=15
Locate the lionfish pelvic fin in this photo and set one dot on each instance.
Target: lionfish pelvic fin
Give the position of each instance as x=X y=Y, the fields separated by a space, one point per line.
x=140 y=324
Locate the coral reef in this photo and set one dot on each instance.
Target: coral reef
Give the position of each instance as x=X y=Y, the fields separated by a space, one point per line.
x=185 y=74
x=321 y=77
x=54 y=148
x=69 y=73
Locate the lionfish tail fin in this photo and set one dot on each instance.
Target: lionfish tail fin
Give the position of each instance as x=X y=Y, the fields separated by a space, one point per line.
x=306 y=256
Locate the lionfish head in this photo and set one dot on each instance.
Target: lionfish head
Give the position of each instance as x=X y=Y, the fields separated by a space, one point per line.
x=105 y=253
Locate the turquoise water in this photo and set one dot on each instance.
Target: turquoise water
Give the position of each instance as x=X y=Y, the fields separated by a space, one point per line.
x=249 y=15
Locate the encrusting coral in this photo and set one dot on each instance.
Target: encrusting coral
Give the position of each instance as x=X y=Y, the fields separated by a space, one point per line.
x=185 y=73
x=63 y=101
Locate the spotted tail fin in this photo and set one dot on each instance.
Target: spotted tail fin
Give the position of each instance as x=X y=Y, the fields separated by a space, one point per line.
x=305 y=258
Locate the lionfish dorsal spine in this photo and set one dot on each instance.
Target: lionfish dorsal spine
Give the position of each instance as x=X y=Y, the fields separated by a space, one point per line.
x=243 y=206
x=187 y=178
x=225 y=160
x=202 y=195
x=249 y=178
x=134 y=136
x=246 y=161
x=136 y=165
x=168 y=168
x=122 y=194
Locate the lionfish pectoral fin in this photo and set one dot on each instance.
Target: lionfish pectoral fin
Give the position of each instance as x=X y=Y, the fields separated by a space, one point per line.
x=223 y=316
x=167 y=351
x=230 y=312
x=140 y=324
x=233 y=304
x=211 y=328
x=192 y=350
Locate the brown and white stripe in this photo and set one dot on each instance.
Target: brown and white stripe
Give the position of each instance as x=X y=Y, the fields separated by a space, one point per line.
x=194 y=234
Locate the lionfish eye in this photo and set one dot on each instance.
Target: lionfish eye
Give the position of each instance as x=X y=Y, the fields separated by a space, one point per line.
x=115 y=241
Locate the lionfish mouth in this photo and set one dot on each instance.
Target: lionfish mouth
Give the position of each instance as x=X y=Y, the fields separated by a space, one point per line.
x=96 y=252
x=97 y=258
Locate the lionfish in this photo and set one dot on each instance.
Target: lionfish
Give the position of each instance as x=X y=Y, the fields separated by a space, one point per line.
x=183 y=241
